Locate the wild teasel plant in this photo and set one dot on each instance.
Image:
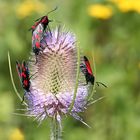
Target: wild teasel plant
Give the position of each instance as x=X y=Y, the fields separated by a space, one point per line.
x=57 y=85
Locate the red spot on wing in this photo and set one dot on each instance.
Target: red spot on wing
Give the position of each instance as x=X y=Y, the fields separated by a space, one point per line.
x=45 y=20
x=37 y=44
x=40 y=31
x=23 y=75
x=23 y=67
x=88 y=67
x=34 y=26
x=36 y=36
x=25 y=82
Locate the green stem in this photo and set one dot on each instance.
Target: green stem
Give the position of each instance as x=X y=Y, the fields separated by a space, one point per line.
x=56 y=129
x=77 y=79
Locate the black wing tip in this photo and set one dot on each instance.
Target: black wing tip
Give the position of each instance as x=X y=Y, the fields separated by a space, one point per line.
x=24 y=63
x=85 y=58
x=17 y=62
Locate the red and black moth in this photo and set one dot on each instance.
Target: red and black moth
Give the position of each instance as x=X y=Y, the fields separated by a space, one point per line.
x=23 y=73
x=86 y=69
x=38 y=32
x=44 y=20
x=37 y=36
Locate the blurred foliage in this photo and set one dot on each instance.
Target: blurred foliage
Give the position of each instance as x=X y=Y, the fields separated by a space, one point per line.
x=115 y=42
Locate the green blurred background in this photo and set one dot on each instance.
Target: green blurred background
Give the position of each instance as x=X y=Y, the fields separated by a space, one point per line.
x=108 y=28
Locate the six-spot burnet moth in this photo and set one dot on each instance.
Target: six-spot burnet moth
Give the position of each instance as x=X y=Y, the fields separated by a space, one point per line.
x=87 y=71
x=38 y=31
x=24 y=77
x=44 y=20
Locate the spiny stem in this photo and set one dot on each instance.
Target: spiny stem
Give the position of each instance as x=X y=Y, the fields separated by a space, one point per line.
x=12 y=80
x=56 y=129
x=77 y=79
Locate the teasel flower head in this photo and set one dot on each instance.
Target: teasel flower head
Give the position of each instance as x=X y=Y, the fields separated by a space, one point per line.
x=56 y=85
x=53 y=91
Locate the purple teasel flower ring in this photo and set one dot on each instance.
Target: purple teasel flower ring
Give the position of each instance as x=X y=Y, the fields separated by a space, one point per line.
x=53 y=82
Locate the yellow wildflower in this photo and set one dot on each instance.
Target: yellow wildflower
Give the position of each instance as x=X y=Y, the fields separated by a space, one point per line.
x=27 y=7
x=16 y=135
x=100 y=11
x=124 y=5
x=127 y=5
x=136 y=5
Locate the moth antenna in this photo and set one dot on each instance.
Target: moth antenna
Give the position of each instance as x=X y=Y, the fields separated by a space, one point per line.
x=98 y=83
x=52 y=10
x=47 y=13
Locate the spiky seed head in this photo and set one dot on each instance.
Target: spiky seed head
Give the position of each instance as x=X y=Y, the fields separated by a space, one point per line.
x=52 y=86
